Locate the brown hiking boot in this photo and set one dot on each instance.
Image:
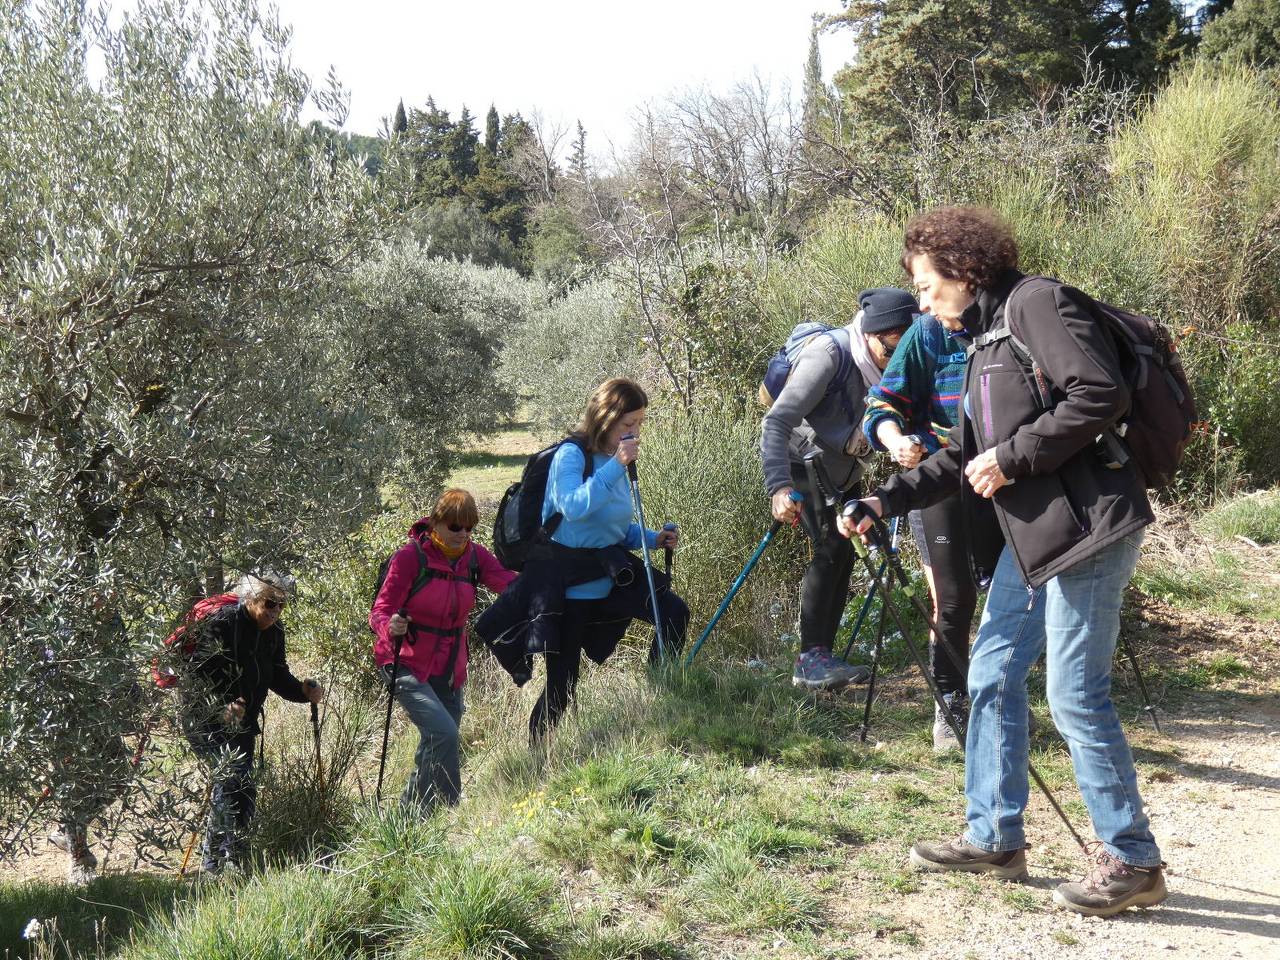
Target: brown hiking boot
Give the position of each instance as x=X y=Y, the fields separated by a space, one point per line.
x=1110 y=886
x=958 y=854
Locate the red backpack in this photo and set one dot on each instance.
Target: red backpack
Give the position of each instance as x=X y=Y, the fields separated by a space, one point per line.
x=165 y=676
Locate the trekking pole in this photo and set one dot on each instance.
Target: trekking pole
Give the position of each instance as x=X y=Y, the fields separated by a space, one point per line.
x=670 y=554
x=875 y=658
x=855 y=510
x=1147 y=707
x=195 y=834
x=634 y=474
x=391 y=699
x=796 y=497
x=136 y=761
x=866 y=603
x=315 y=733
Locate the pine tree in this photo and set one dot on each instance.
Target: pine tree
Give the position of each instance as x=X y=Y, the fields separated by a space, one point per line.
x=491 y=131
x=401 y=122
x=1138 y=40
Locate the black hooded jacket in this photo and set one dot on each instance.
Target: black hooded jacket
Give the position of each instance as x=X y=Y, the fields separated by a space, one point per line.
x=1062 y=503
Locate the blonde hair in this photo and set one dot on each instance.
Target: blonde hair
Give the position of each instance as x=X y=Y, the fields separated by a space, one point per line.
x=456 y=506
x=610 y=402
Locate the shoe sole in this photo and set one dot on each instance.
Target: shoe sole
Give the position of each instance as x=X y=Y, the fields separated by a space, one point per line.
x=819 y=684
x=1150 y=898
x=1017 y=873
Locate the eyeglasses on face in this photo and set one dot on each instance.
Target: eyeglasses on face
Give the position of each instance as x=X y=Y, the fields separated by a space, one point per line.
x=274 y=603
x=458 y=528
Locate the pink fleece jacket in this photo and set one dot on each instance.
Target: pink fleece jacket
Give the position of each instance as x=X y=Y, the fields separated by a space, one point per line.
x=443 y=604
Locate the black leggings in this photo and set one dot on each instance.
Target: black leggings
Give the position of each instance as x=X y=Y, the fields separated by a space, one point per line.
x=580 y=616
x=824 y=590
x=956 y=593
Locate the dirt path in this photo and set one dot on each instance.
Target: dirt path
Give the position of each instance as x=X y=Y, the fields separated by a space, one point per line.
x=1215 y=811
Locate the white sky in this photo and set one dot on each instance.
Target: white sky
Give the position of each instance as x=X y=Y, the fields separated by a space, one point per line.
x=572 y=59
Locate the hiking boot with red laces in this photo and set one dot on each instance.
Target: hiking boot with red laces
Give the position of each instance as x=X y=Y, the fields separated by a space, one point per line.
x=1111 y=885
x=959 y=854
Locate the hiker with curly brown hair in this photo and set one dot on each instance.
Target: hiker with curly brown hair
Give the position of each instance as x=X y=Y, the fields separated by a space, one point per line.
x=1072 y=524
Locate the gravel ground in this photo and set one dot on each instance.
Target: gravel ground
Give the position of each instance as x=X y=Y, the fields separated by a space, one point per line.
x=1217 y=819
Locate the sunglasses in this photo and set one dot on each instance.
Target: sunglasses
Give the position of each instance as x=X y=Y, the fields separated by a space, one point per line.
x=458 y=528
x=274 y=603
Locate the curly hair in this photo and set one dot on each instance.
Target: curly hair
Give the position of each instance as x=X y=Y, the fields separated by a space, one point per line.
x=970 y=244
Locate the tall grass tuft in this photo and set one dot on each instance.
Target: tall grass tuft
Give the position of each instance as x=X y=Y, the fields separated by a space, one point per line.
x=467 y=907
x=295 y=914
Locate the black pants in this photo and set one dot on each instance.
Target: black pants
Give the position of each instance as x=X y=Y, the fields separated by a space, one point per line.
x=824 y=590
x=581 y=617
x=234 y=795
x=946 y=550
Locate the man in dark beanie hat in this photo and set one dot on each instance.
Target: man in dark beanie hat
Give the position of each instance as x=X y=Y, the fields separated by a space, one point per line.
x=812 y=430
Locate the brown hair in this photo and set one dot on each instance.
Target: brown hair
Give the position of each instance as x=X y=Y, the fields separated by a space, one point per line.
x=610 y=402
x=970 y=244
x=456 y=506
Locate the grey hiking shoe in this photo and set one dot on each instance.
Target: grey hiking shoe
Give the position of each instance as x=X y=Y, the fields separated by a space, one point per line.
x=944 y=738
x=817 y=669
x=1110 y=886
x=960 y=855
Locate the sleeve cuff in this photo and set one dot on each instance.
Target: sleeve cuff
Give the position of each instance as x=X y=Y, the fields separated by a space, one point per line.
x=1007 y=462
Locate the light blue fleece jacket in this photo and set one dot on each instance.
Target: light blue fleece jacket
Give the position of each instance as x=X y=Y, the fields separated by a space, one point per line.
x=596 y=513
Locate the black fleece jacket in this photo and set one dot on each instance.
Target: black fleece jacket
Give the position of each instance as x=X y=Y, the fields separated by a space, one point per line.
x=234 y=659
x=1062 y=503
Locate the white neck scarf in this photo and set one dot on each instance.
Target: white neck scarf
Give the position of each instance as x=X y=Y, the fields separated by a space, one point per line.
x=862 y=353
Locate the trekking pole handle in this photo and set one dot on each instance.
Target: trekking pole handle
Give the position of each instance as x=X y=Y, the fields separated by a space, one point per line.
x=855 y=510
x=315 y=711
x=632 y=472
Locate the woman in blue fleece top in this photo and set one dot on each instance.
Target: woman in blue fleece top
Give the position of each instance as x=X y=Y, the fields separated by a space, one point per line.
x=595 y=506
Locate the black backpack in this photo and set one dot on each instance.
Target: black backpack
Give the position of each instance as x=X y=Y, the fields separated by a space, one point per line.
x=425 y=573
x=519 y=523
x=1156 y=430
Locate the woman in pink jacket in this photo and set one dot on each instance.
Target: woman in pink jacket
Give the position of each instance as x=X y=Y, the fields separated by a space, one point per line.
x=433 y=578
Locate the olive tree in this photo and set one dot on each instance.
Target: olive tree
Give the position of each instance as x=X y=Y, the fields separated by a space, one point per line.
x=179 y=389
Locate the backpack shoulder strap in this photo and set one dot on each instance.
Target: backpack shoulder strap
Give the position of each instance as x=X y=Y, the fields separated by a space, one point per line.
x=425 y=573
x=588 y=470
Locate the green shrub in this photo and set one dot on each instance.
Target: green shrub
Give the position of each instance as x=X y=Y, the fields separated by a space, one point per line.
x=703 y=472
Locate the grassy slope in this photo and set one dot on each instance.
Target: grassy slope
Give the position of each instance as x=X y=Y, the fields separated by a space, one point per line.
x=717 y=812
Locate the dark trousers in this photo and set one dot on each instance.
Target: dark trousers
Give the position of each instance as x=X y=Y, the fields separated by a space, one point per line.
x=233 y=797
x=581 y=617
x=957 y=595
x=824 y=590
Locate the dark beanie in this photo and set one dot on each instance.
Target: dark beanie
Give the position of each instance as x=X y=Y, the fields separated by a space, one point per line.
x=887 y=308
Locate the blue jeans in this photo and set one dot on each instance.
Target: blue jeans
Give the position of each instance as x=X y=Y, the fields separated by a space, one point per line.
x=436 y=710
x=1074 y=619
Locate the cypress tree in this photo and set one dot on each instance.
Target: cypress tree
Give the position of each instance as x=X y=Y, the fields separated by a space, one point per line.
x=491 y=131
